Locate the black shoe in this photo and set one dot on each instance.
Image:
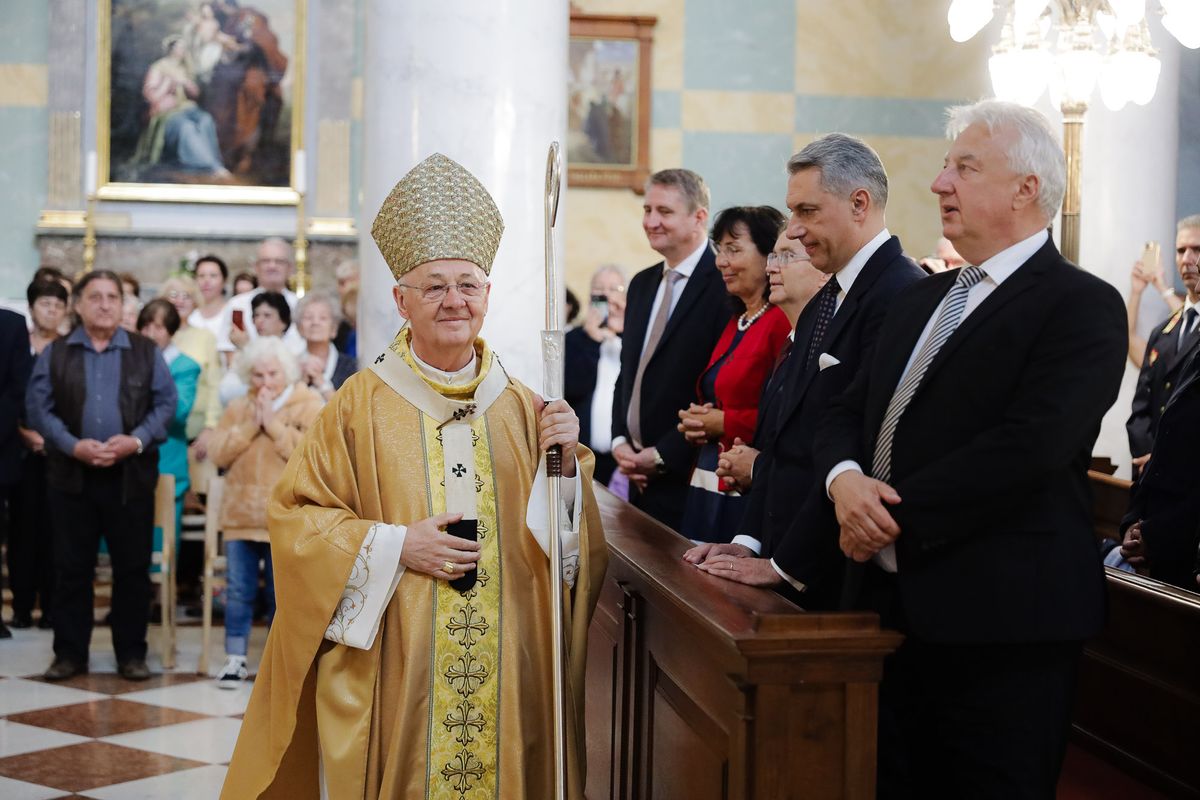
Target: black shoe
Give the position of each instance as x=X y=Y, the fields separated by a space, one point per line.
x=134 y=669
x=5 y=633
x=22 y=620
x=64 y=668
x=46 y=623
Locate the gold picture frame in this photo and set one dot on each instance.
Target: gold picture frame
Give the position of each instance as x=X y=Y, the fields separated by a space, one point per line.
x=202 y=126
x=608 y=101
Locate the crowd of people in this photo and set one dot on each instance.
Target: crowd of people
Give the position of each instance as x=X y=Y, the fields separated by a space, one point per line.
x=819 y=413
x=104 y=393
x=822 y=415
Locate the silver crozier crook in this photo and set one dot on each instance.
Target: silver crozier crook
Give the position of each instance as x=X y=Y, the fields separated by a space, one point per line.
x=552 y=388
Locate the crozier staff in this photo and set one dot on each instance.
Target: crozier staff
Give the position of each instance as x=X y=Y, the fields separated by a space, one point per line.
x=404 y=660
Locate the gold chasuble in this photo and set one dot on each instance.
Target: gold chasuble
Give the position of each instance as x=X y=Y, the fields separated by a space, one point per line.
x=417 y=690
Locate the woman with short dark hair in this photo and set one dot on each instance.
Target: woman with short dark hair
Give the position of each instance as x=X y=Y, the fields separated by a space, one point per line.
x=726 y=411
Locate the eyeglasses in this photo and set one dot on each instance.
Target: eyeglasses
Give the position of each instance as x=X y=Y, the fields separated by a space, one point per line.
x=436 y=292
x=780 y=260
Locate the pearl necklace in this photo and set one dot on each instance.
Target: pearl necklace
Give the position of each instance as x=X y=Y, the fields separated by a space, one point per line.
x=744 y=324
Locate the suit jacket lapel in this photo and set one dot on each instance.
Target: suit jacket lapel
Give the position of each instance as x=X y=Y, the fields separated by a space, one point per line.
x=638 y=318
x=1024 y=279
x=876 y=264
x=696 y=285
x=1179 y=354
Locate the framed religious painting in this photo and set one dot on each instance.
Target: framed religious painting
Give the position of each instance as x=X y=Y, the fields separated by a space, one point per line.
x=199 y=101
x=608 y=101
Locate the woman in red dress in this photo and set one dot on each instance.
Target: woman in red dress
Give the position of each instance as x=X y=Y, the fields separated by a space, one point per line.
x=728 y=390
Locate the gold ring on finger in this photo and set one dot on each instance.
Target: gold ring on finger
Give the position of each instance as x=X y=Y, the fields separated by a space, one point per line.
x=448 y=567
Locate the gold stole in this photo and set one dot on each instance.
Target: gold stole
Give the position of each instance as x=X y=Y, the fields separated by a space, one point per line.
x=464 y=693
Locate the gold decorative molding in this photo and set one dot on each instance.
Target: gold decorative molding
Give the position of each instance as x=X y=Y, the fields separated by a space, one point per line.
x=75 y=219
x=333 y=168
x=64 y=189
x=24 y=85
x=332 y=226
x=51 y=219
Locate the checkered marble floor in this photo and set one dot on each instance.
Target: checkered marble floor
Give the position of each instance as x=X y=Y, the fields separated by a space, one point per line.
x=101 y=737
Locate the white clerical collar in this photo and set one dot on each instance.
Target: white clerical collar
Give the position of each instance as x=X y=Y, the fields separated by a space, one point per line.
x=686 y=267
x=1005 y=263
x=847 y=274
x=278 y=402
x=458 y=377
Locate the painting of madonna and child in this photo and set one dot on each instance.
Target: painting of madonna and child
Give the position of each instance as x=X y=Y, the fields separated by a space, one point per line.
x=201 y=92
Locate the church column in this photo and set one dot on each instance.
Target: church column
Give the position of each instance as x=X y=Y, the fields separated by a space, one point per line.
x=485 y=84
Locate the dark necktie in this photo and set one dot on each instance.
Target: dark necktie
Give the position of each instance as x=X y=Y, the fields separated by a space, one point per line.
x=826 y=306
x=1188 y=328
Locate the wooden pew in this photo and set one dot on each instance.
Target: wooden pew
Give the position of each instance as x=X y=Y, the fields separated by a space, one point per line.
x=699 y=688
x=1138 y=702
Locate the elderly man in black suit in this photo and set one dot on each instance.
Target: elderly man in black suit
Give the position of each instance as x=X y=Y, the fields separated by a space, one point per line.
x=15 y=363
x=957 y=462
x=1168 y=348
x=674 y=314
x=837 y=192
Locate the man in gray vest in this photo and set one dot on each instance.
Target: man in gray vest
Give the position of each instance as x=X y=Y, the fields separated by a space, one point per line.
x=101 y=397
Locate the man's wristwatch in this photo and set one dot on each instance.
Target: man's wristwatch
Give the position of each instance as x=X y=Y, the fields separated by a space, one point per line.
x=660 y=466
x=140 y=446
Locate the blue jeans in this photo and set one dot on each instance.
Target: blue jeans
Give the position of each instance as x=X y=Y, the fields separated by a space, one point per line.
x=242 y=558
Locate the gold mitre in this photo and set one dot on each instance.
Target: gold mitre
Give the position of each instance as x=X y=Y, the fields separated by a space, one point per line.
x=438 y=210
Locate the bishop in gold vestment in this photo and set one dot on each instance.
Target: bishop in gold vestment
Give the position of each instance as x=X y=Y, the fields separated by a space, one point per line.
x=381 y=679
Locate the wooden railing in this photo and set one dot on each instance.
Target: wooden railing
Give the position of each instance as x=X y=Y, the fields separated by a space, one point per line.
x=1138 y=704
x=699 y=688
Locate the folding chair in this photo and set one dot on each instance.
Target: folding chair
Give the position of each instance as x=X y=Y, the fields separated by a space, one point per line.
x=164 y=520
x=214 y=562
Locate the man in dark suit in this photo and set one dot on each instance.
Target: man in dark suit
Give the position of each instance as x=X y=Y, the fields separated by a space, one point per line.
x=957 y=461
x=15 y=363
x=837 y=195
x=1168 y=348
x=675 y=313
x=1162 y=528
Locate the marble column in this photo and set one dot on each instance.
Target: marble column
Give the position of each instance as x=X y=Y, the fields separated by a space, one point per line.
x=485 y=84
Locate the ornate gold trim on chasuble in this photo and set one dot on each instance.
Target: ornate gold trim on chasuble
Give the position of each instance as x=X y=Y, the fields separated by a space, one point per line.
x=464 y=674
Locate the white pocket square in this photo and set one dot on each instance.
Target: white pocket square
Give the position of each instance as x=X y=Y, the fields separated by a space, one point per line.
x=826 y=361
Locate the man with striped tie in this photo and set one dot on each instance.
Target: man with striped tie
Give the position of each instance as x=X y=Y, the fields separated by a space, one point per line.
x=957 y=464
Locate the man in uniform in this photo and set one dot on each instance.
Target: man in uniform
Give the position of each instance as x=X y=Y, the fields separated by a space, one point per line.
x=1168 y=349
x=406 y=661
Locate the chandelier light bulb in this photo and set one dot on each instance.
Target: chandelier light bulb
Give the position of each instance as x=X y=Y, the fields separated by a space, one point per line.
x=1182 y=19
x=967 y=18
x=1026 y=14
x=1128 y=12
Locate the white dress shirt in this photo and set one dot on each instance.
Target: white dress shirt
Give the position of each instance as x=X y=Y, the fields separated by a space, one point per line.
x=998 y=269
x=608 y=369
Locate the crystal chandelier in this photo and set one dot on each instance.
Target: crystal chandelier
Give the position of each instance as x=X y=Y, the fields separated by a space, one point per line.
x=1072 y=46
x=1069 y=47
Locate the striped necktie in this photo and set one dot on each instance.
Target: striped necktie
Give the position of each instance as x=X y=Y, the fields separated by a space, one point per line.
x=947 y=322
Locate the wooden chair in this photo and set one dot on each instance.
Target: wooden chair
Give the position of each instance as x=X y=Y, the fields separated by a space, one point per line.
x=214 y=563
x=164 y=519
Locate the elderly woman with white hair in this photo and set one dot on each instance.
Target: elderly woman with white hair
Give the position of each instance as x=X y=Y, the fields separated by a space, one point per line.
x=252 y=442
x=322 y=367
